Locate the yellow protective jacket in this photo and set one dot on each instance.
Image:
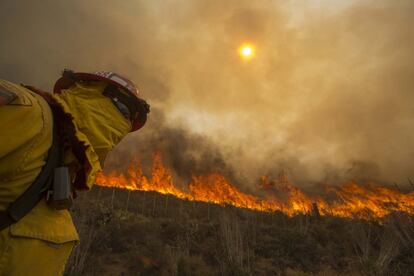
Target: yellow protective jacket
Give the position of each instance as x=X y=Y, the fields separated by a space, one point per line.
x=40 y=243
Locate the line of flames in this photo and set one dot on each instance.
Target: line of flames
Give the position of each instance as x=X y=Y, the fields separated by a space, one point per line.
x=350 y=200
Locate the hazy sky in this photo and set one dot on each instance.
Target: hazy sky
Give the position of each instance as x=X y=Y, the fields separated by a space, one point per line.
x=328 y=96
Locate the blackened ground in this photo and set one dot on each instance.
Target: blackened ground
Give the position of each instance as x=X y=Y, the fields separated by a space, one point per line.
x=143 y=233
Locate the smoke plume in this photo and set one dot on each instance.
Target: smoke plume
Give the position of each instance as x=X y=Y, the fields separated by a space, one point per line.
x=328 y=96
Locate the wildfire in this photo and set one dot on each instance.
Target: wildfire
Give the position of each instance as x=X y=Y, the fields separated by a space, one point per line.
x=350 y=200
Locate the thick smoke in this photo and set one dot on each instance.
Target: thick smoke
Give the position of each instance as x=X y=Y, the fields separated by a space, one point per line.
x=187 y=154
x=329 y=95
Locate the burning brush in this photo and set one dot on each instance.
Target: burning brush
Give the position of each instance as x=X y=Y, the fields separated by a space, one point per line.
x=350 y=200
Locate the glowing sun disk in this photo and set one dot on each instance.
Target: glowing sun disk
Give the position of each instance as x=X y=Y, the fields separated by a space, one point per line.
x=246 y=51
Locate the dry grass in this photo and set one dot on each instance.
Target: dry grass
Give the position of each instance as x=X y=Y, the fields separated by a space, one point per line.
x=135 y=233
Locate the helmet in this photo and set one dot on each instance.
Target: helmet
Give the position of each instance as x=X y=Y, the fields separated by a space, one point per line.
x=120 y=90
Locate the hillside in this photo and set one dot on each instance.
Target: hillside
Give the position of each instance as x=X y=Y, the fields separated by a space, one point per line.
x=146 y=233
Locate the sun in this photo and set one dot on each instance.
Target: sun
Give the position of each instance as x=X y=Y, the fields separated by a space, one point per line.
x=247 y=51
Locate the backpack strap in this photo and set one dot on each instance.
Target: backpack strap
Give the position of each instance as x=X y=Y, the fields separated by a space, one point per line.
x=36 y=191
x=67 y=134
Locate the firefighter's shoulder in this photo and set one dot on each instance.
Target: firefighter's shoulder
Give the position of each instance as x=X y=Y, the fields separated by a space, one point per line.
x=14 y=94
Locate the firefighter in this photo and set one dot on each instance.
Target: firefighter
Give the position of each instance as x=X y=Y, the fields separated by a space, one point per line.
x=50 y=146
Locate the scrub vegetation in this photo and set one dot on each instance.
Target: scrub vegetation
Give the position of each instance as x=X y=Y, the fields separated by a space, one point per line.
x=143 y=233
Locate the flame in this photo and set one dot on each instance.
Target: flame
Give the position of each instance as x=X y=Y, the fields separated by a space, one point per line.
x=350 y=200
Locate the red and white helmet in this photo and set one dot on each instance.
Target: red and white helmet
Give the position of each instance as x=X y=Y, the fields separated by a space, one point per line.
x=125 y=96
